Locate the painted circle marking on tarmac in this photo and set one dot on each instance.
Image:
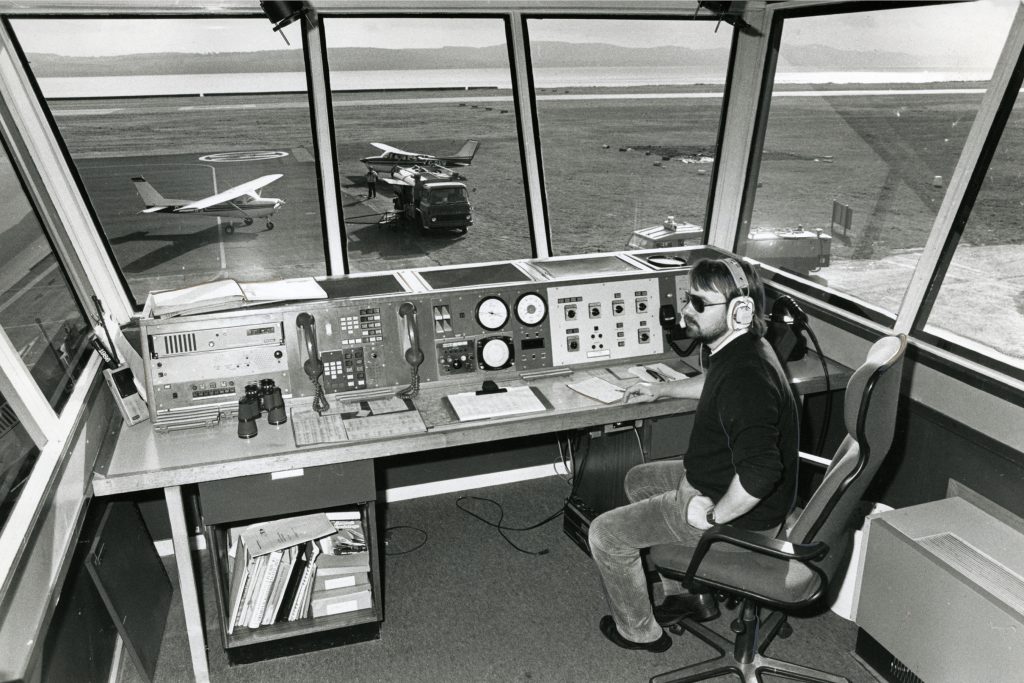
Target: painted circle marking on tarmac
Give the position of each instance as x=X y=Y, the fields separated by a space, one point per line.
x=230 y=157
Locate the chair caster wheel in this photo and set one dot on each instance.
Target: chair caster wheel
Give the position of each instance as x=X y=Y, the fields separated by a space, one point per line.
x=677 y=629
x=785 y=631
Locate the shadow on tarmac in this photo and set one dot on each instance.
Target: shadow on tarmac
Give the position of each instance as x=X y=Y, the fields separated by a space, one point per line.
x=180 y=245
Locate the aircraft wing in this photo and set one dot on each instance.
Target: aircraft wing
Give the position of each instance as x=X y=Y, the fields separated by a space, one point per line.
x=233 y=193
x=394 y=150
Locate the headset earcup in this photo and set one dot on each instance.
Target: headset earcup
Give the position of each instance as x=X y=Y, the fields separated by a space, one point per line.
x=741 y=313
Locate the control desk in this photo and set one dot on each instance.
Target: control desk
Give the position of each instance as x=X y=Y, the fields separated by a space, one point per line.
x=380 y=333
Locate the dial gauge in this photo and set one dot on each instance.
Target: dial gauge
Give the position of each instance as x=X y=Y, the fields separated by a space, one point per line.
x=495 y=353
x=492 y=313
x=531 y=309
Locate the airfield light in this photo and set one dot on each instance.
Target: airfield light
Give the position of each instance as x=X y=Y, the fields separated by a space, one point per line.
x=281 y=13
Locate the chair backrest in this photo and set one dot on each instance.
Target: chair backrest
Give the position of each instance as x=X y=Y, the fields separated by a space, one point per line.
x=872 y=395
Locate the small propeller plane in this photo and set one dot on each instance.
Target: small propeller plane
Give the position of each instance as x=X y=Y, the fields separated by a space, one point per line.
x=392 y=157
x=242 y=201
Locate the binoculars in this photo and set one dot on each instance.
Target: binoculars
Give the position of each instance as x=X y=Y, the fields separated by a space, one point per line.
x=265 y=396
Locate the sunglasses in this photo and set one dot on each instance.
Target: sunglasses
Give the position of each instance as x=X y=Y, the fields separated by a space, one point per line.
x=698 y=303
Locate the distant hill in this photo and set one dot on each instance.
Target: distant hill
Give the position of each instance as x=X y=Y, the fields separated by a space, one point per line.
x=545 y=54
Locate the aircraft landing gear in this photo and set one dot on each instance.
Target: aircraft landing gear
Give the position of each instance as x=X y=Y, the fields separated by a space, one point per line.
x=229 y=229
x=248 y=221
x=270 y=225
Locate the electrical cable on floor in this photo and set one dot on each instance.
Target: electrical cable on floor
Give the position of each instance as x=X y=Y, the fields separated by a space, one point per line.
x=387 y=539
x=501 y=528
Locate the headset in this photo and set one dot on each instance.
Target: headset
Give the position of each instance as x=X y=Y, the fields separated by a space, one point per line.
x=741 y=308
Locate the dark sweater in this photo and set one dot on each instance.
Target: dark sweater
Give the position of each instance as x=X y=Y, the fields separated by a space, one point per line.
x=746 y=423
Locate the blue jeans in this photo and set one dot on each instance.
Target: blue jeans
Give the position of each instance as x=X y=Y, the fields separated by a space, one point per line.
x=656 y=514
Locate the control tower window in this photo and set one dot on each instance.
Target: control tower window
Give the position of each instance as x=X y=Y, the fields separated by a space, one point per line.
x=979 y=304
x=182 y=131
x=426 y=102
x=42 y=319
x=862 y=138
x=628 y=114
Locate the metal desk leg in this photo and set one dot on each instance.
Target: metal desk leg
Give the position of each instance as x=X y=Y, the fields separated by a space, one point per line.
x=187 y=583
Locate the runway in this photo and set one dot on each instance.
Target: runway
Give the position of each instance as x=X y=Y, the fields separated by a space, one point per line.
x=499 y=99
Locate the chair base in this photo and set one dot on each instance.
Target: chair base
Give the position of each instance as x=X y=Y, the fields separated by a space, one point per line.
x=725 y=663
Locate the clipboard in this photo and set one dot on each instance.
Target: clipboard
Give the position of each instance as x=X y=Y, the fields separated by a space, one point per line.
x=471 y=405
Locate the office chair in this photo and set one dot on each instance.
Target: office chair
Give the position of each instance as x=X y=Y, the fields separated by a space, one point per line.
x=792 y=571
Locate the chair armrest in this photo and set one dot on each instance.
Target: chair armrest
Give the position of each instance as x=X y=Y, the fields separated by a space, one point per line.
x=805 y=553
x=812 y=459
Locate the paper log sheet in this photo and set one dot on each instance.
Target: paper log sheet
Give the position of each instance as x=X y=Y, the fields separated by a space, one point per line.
x=513 y=401
x=598 y=389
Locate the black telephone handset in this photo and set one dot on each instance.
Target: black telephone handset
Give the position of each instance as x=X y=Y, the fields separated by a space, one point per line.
x=413 y=354
x=668 y=318
x=313 y=365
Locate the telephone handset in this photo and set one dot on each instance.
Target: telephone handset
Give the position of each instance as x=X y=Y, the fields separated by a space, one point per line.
x=313 y=365
x=668 y=318
x=413 y=354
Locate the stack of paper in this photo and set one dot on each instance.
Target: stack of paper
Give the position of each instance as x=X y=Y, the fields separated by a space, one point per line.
x=227 y=294
x=277 y=574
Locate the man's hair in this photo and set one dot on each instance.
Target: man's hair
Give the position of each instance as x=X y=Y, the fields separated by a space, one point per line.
x=715 y=274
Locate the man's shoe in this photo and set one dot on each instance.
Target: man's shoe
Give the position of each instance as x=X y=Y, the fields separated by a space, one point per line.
x=610 y=632
x=696 y=606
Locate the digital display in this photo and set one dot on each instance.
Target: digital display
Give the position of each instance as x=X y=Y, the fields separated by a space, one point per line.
x=261 y=330
x=528 y=344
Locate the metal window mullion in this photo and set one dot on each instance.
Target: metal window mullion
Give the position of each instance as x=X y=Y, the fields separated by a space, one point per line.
x=963 y=186
x=525 y=106
x=23 y=393
x=58 y=184
x=746 y=84
x=39 y=487
x=334 y=226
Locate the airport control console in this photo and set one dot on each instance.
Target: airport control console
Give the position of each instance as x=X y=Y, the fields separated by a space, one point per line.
x=376 y=335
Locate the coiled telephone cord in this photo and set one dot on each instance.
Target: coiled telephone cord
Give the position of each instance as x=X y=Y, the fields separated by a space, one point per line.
x=414 y=387
x=320 y=404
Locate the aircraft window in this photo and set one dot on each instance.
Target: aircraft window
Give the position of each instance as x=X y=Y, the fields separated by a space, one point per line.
x=422 y=102
x=41 y=317
x=628 y=114
x=192 y=139
x=862 y=138
x=979 y=302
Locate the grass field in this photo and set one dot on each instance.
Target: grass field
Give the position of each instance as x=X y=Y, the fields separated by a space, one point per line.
x=609 y=166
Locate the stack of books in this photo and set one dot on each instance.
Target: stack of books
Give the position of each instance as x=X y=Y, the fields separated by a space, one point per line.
x=311 y=566
x=342 y=576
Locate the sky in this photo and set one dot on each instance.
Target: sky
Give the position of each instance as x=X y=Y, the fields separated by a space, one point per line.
x=973 y=32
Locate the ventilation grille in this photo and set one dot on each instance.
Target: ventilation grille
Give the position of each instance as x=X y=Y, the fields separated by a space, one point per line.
x=984 y=571
x=179 y=343
x=898 y=672
x=8 y=420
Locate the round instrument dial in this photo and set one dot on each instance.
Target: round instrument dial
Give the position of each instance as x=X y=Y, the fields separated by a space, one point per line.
x=492 y=313
x=495 y=353
x=531 y=309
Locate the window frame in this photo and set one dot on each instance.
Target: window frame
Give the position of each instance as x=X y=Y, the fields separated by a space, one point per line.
x=952 y=216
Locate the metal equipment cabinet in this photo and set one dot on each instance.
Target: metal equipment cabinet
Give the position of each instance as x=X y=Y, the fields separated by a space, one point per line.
x=233 y=502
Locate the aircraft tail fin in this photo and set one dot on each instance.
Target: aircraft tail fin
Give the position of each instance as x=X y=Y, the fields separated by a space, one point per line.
x=466 y=153
x=153 y=200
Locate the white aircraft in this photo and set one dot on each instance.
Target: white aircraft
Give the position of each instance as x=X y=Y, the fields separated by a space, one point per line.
x=242 y=201
x=393 y=157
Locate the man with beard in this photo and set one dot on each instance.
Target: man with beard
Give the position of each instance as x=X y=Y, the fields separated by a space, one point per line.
x=739 y=467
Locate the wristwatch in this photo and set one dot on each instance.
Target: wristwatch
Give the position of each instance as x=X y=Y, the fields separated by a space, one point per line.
x=711 y=516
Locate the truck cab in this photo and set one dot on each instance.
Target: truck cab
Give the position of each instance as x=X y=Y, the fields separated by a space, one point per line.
x=432 y=201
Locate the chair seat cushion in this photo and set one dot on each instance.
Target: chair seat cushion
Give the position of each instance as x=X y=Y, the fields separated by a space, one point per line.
x=781 y=581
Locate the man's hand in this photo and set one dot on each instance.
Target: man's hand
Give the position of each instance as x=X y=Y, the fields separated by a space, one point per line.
x=697 y=512
x=641 y=392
